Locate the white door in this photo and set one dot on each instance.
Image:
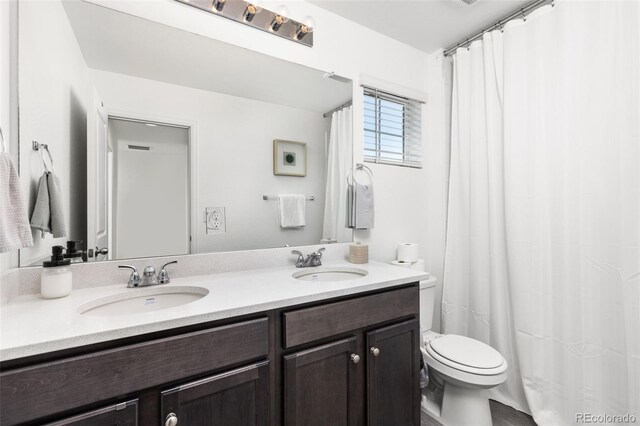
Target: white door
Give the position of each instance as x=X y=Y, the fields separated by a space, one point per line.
x=98 y=177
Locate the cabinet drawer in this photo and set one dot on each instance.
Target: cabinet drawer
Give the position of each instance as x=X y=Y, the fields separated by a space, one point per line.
x=123 y=414
x=41 y=390
x=318 y=322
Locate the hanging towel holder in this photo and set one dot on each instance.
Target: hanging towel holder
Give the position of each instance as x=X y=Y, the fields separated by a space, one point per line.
x=351 y=177
x=42 y=147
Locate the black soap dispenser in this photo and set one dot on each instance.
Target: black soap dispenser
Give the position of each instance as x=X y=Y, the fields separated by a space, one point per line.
x=56 y=280
x=72 y=253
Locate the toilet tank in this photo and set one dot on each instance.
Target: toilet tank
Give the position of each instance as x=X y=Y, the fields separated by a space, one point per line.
x=427 y=303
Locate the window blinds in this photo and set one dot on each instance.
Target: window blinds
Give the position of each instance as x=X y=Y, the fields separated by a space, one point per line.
x=392 y=127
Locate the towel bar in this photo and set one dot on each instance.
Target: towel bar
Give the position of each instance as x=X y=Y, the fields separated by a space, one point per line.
x=275 y=197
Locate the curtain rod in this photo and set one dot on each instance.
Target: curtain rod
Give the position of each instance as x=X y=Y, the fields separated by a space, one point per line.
x=344 y=105
x=522 y=12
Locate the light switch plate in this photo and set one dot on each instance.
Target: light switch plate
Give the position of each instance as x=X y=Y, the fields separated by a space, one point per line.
x=215 y=220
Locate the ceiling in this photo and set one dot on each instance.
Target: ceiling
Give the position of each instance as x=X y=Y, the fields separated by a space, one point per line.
x=425 y=24
x=117 y=42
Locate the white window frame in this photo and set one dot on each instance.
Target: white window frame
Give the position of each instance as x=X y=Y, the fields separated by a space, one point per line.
x=410 y=130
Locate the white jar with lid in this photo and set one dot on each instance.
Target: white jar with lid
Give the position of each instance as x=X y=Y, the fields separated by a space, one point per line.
x=56 y=280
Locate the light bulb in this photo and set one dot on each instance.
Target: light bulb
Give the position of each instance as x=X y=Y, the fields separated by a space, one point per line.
x=305 y=27
x=281 y=17
x=253 y=7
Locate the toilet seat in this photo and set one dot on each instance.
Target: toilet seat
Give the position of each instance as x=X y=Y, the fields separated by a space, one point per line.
x=467 y=355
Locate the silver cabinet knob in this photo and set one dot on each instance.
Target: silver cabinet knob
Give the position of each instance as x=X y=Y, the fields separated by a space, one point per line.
x=355 y=358
x=374 y=351
x=171 y=420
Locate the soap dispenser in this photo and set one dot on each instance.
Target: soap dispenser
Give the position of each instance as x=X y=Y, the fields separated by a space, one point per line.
x=72 y=253
x=56 y=280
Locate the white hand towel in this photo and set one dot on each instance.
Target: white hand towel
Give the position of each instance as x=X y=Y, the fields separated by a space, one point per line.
x=292 y=210
x=58 y=225
x=41 y=216
x=364 y=211
x=15 y=232
x=47 y=215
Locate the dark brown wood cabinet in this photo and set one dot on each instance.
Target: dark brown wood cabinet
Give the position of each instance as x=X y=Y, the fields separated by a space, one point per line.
x=123 y=414
x=235 y=398
x=320 y=385
x=370 y=376
x=393 y=364
x=310 y=364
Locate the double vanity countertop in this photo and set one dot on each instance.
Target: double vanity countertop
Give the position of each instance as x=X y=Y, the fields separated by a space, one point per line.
x=31 y=325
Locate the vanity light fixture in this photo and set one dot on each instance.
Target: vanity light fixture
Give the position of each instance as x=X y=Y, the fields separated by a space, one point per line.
x=305 y=27
x=251 y=13
x=251 y=10
x=282 y=16
x=219 y=4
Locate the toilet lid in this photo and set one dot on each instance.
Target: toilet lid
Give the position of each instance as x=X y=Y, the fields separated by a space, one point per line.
x=466 y=351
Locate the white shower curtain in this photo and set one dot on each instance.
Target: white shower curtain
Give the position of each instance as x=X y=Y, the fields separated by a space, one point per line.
x=543 y=240
x=339 y=162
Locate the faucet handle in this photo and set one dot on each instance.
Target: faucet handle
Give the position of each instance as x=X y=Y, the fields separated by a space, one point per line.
x=319 y=251
x=163 y=275
x=134 y=278
x=300 y=261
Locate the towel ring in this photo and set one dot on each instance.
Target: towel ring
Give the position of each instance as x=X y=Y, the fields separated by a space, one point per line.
x=42 y=147
x=361 y=167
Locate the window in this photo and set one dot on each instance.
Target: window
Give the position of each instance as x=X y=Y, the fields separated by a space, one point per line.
x=392 y=126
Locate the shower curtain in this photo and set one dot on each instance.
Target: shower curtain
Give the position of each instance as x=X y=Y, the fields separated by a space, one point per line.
x=339 y=161
x=543 y=236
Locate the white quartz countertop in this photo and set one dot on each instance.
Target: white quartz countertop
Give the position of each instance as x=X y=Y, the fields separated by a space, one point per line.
x=31 y=325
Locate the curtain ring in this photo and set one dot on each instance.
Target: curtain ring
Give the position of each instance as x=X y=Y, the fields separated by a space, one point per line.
x=524 y=17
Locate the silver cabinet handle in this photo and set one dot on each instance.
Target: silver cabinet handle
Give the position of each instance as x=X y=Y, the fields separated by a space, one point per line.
x=172 y=420
x=355 y=358
x=374 y=351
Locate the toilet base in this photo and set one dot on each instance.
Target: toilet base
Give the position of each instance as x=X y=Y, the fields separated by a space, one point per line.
x=461 y=406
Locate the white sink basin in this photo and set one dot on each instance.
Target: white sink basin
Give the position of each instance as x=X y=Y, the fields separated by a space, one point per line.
x=141 y=300
x=329 y=274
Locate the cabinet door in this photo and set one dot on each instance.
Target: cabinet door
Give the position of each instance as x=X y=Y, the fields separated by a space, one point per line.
x=234 y=398
x=320 y=385
x=125 y=414
x=393 y=375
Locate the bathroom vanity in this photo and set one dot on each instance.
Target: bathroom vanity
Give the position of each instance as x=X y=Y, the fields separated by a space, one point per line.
x=329 y=353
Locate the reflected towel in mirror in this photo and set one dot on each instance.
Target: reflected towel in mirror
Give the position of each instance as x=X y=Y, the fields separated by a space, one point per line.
x=292 y=210
x=48 y=215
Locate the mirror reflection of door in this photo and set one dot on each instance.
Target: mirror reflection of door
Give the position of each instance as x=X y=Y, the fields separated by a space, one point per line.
x=150 y=189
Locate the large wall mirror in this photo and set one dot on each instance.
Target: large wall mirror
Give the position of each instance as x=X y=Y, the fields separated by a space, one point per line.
x=167 y=143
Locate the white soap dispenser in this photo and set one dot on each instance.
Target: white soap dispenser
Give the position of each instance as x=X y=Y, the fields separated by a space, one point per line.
x=56 y=280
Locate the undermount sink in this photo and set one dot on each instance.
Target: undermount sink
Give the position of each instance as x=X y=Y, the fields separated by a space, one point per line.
x=329 y=274
x=141 y=300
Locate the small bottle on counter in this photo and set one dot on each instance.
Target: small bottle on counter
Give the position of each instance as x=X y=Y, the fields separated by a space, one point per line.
x=56 y=280
x=72 y=253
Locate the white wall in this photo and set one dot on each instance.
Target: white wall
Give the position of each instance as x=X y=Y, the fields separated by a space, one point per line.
x=65 y=83
x=234 y=151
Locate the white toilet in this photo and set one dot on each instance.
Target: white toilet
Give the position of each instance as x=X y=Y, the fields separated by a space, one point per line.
x=464 y=367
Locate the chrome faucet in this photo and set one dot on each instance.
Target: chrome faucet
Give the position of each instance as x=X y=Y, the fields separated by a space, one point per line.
x=314 y=259
x=149 y=276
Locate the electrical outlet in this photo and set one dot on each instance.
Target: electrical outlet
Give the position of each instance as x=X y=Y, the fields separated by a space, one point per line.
x=215 y=220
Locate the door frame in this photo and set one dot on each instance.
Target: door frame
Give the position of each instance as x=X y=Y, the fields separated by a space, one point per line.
x=191 y=126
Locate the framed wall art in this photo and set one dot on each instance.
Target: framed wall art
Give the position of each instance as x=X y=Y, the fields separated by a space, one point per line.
x=289 y=158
